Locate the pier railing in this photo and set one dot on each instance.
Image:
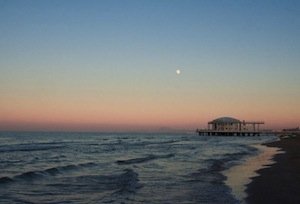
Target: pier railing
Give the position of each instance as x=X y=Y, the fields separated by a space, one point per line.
x=211 y=132
x=254 y=122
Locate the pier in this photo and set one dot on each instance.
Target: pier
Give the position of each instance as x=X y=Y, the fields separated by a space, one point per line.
x=206 y=132
x=228 y=126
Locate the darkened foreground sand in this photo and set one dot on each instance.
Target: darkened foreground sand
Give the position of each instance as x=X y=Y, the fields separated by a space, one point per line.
x=281 y=182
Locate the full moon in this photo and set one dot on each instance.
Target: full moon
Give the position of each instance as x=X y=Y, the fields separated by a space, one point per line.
x=178 y=71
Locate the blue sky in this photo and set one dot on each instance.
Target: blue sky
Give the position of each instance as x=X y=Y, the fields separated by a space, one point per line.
x=58 y=52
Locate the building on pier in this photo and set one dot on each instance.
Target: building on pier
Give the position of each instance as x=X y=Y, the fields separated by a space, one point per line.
x=229 y=126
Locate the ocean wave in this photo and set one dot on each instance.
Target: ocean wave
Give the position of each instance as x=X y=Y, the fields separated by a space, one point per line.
x=137 y=143
x=30 y=147
x=5 y=180
x=143 y=159
x=212 y=173
x=128 y=181
x=31 y=175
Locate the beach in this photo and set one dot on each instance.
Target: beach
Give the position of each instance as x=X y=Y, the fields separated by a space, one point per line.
x=281 y=182
x=239 y=176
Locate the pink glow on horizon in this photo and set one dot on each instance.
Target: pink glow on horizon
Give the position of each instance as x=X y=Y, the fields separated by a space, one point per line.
x=154 y=122
x=137 y=114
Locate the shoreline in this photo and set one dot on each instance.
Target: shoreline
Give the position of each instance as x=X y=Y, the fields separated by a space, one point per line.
x=279 y=183
x=239 y=176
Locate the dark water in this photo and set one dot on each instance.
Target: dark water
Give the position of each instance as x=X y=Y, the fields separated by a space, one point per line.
x=118 y=168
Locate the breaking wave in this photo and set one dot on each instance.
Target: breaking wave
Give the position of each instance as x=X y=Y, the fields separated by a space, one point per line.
x=144 y=159
x=30 y=147
x=30 y=175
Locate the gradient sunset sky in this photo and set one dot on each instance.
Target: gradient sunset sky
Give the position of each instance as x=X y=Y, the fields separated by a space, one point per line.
x=111 y=65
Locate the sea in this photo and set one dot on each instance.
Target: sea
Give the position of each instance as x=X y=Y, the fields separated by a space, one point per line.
x=56 y=167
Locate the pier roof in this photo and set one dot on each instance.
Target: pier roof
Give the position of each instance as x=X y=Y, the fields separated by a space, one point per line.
x=225 y=120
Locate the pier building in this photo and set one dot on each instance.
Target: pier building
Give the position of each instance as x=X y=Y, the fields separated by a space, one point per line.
x=228 y=126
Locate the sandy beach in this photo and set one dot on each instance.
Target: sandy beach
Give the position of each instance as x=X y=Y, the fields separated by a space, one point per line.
x=281 y=182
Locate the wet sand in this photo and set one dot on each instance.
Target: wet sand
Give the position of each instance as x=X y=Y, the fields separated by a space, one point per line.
x=240 y=175
x=281 y=182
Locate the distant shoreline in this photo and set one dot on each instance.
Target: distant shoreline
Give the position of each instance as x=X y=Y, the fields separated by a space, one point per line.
x=279 y=183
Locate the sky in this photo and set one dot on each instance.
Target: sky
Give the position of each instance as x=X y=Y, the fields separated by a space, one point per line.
x=111 y=65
